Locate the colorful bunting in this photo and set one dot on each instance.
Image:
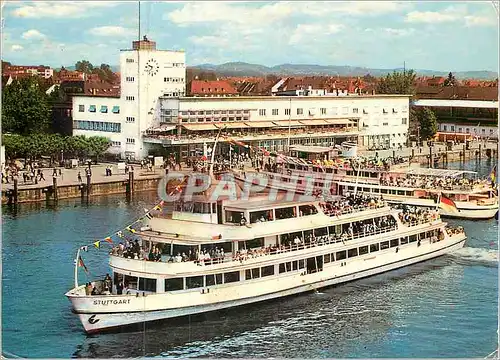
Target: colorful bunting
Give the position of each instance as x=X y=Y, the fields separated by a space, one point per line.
x=97 y=244
x=81 y=264
x=84 y=248
x=108 y=239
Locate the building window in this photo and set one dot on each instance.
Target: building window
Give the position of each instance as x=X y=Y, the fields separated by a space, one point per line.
x=300 y=111
x=92 y=108
x=130 y=141
x=129 y=78
x=384 y=111
x=116 y=143
x=403 y=121
x=275 y=111
x=116 y=109
x=130 y=98
x=394 y=111
x=262 y=112
x=459 y=129
x=385 y=124
x=130 y=119
x=97 y=126
x=354 y=110
x=445 y=127
x=81 y=108
x=104 y=109
x=345 y=110
x=130 y=60
x=322 y=111
x=287 y=111
x=365 y=111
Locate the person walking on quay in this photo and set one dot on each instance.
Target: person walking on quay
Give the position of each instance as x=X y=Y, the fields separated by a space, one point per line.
x=41 y=175
x=54 y=173
x=79 y=177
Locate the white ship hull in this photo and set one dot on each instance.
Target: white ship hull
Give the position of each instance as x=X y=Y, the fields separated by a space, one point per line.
x=107 y=312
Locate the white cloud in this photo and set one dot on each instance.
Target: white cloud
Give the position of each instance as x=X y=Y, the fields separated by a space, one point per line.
x=32 y=34
x=16 y=47
x=430 y=17
x=45 y=9
x=112 y=31
x=307 y=31
x=399 y=32
x=209 y=40
x=472 y=20
x=354 y=8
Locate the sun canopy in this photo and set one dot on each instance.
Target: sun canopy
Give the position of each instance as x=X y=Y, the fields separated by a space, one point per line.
x=433 y=172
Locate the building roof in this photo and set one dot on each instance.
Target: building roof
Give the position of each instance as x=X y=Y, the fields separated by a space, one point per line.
x=457 y=103
x=294 y=98
x=208 y=87
x=311 y=149
x=457 y=92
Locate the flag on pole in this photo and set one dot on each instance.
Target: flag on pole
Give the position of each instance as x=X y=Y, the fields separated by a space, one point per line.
x=447 y=204
x=97 y=244
x=81 y=264
x=108 y=239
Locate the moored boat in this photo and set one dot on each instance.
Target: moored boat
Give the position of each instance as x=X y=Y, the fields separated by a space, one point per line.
x=218 y=251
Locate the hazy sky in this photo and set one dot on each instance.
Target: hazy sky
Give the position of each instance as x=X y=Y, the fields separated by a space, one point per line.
x=446 y=36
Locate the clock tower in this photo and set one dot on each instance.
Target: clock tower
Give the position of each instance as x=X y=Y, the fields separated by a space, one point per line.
x=147 y=74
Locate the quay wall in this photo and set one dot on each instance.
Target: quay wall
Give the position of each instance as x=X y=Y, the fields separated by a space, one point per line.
x=47 y=193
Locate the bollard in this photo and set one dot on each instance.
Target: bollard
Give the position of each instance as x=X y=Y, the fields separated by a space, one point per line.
x=130 y=184
x=88 y=186
x=431 y=158
x=15 y=190
x=54 y=187
x=479 y=152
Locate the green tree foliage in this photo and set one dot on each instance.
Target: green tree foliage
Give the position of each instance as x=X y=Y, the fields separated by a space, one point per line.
x=428 y=123
x=105 y=73
x=397 y=83
x=450 y=81
x=84 y=66
x=25 y=107
x=34 y=146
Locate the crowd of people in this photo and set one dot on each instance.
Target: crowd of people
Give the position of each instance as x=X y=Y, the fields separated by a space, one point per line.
x=351 y=203
x=412 y=215
x=430 y=182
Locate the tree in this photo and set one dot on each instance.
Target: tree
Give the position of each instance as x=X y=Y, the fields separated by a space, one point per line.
x=428 y=123
x=450 y=81
x=84 y=66
x=397 y=83
x=25 y=107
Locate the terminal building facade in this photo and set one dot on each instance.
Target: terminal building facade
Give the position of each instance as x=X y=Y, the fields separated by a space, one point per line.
x=152 y=115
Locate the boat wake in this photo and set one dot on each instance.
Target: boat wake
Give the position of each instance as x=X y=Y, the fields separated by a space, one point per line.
x=487 y=257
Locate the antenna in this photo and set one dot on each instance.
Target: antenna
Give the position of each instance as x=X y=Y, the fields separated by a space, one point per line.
x=139 y=27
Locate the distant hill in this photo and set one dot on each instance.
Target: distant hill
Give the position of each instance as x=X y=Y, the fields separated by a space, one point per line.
x=114 y=68
x=246 y=69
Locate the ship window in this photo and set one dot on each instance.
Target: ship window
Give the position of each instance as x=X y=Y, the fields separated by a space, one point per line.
x=295 y=265
x=267 y=270
x=307 y=210
x=281 y=268
x=285 y=213
x=194 y=282
x=218 y=279
x=210 y=280
x=252 y=274
x=401 y=192
x=301 y=264
x=394 y=242
x=413 y=238
x=234 y=217
x=363 y=250
x=131 y=282
x=174 y=284
x=321 y=231
x=261 y=216
x=251 y=244
x=404 y=240
x=429 y=234
x=352 y=252
x=383 y=191
x=374 y=247
x=384 y=245
x=288 y=266
x=341 y=255
x=230 y=277
x=327 y=258
x=146 y=284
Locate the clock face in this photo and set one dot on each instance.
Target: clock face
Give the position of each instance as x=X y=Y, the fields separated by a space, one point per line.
x=152 y=67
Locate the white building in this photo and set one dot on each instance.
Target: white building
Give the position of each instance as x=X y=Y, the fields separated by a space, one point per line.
x=146 y=74
x=373 y=121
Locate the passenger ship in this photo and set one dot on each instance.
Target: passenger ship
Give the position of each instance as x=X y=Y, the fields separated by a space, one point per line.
x=472 y=202
x=265 y=249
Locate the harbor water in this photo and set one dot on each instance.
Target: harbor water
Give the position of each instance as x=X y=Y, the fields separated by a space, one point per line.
x=446 y=307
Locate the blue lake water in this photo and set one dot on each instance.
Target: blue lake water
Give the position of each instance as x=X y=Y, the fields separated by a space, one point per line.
x=446 y=307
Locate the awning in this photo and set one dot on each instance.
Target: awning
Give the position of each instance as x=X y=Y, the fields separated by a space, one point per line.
x=338 y=121
x=288 y=123
x=162 y=128
x=104 y=109
x=92 y=108
x=195 y=127
x=314 y=122
x=232 y=125
x=260 y=124
x=116 y=110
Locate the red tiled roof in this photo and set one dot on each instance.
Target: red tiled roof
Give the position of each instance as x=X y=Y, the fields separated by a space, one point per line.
x=457 y=92
x=206 y=87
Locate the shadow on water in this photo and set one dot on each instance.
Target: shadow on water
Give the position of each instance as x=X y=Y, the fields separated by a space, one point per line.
x=355 y=304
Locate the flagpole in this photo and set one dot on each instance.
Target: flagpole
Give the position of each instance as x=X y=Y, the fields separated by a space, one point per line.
x=77 y=262
x=211 y=171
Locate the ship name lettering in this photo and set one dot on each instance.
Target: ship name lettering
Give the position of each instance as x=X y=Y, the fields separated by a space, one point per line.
x=111 y=302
